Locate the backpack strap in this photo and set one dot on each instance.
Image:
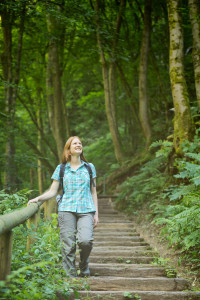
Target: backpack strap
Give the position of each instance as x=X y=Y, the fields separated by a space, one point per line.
x=90 y=173
x=61 y=174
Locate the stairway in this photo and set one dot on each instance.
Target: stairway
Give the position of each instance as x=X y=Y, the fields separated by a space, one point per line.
x=120 y=264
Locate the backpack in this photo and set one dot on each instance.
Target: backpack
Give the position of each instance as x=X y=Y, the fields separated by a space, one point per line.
x=61 y=174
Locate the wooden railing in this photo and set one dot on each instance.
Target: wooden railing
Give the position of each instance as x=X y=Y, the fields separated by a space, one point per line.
x=17 y=217
x=13 y=219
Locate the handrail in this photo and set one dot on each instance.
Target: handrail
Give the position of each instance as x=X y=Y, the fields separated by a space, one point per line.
x=13 y=219
x=17 y=217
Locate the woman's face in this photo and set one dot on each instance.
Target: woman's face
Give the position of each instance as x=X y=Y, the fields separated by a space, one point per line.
x=76 y=147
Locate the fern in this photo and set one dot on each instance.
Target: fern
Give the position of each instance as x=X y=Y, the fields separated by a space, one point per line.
x=176 y=207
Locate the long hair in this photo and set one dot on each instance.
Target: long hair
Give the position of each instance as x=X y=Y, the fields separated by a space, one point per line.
x=66 y=157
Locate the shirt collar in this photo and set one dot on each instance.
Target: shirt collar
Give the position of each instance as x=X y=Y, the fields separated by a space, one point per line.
x=67 y=165
x=82 y=163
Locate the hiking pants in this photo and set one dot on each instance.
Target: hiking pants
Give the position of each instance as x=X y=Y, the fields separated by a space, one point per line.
x=75 y=228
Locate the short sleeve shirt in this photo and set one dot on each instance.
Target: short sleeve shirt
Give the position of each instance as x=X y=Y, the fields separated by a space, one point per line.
x=77 y=194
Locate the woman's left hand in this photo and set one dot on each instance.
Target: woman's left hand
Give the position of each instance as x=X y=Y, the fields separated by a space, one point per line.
x=96 y=220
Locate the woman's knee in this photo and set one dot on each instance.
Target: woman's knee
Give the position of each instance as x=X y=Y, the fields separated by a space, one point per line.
x=85 y=243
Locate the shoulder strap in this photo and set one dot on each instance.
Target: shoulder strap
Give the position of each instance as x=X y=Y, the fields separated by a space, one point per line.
x=61 y=174
x=90 y=173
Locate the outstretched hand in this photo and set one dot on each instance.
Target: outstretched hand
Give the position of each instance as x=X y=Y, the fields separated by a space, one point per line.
x=34 y=200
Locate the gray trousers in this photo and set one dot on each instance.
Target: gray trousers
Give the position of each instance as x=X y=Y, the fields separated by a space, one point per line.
x=75 y=228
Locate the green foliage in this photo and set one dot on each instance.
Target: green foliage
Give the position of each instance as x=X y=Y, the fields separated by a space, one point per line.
x=9 y=202
x=160 y=261
x=37 y=274
x=149 y=181
x=178 y=208
x=128 y=295
x=174 y=202
x=101 y=153
x=81 y=80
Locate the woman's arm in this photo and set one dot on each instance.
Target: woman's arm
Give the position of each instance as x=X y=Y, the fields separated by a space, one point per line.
x=95 y=200
x=48 y=195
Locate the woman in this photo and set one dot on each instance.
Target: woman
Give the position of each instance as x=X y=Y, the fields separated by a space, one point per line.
x=78 y=210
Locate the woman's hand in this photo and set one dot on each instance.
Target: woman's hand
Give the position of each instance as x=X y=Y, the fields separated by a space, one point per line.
x=96 y=220
x=48 y=195
x=34 y=200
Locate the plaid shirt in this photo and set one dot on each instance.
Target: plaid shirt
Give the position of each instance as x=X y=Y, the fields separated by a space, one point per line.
x=77 y=194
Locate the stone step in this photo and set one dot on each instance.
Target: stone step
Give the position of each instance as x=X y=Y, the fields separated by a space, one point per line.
x=119 y=259
x=110 y=248
x=120 y=239
x=124 y=265
x=113 y=220
x=120 y=264
x=110 y=283
x=107 y=207
x=122 y=253
x=107 y=211
x=107 y=221
x=117 y=243
x=143 y=295
x=106 y=204
x=116 y=225
x=125 y=270
x=111 y=233
x=124 y=230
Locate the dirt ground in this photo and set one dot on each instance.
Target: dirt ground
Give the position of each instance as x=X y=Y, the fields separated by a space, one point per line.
x=172 y=257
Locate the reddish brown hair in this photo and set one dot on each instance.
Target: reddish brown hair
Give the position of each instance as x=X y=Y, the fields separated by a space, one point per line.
x=66 y=157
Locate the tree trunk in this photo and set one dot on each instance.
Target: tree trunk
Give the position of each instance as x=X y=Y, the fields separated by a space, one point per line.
x=162 y=89
x=11 y=76
x=33 y=117
x=31 y=176
x=109 y=78
x=129 y=93
x=66 y=118
x=54 y=89
x=194 y=6
x=39 y=146
x=182 y=118
x=143 y=95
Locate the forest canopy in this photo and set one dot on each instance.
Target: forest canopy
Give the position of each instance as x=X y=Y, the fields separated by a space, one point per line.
x=119 y=74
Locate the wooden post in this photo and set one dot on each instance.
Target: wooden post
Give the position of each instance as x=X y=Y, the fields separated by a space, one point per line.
x=31 y=238
x=49 y=208
x=53 y=205
x=6 y=242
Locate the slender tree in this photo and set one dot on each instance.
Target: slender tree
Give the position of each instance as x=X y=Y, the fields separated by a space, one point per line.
x=109 y=76
x=182 y=118
x=39 y=146
x=143 y=94
x=11 y=72
x=54 y=84
x=194 y=6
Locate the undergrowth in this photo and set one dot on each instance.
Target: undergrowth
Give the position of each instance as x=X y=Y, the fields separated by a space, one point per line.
x=37 y=273
x=10 y=202
x=174 y=202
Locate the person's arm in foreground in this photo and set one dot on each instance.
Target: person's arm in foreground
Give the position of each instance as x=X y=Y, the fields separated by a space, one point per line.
x=47 y=195
x=95 y=200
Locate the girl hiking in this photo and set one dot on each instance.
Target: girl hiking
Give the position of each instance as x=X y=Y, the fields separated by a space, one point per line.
x=78 y=208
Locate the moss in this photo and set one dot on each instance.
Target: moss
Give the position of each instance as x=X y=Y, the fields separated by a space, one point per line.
x=182 y=119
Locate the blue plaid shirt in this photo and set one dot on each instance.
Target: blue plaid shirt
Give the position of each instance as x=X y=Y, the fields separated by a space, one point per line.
x=77 y=194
